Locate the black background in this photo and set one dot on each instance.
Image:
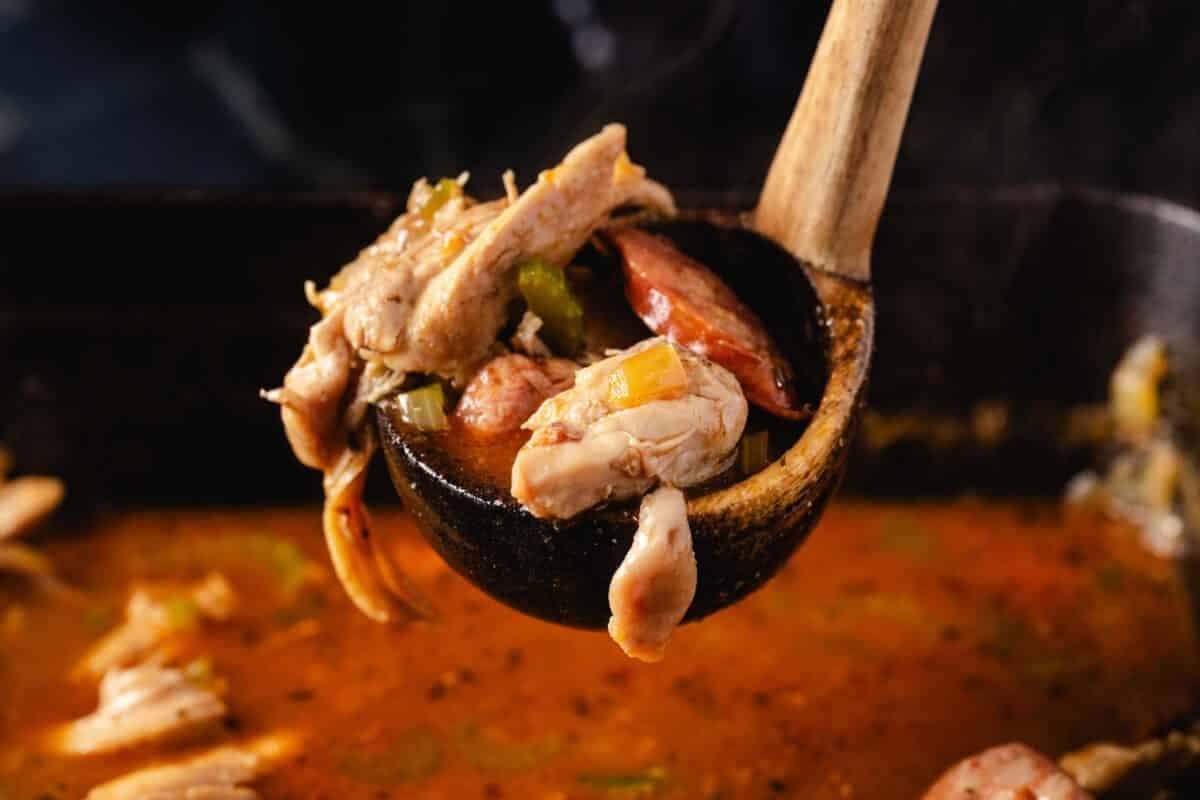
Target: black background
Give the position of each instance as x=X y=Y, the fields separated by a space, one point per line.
x=306 y=95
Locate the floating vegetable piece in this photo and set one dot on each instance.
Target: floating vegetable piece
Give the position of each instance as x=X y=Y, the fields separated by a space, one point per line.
x=273 y=554
x=490 y=753
x=424 y=408
x=548 y=295
x=182 y=612
x=682 y=299
x=413 y=757
x=628 y=784
x=199 y=670
x=652 y=374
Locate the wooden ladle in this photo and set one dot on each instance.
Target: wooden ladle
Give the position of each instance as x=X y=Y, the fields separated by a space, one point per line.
x=820 y=203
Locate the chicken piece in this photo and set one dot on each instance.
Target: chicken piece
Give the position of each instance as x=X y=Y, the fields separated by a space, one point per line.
x=140 y=704
x=654 y=586
x=312 y=394
x=680 y=298
x=213 y=775
x=431 y=296
x=24 y=502
x=364 y=311
x=373 y=582
x=526 y=340
x=1008 y=772
x=152 y=615
x=456 y=319
x=508 y=389
x=586 y=450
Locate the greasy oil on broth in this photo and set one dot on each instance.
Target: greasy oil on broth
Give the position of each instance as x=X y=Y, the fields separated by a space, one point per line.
x=900 y=638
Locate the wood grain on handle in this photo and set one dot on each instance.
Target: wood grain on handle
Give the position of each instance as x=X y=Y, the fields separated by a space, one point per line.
x=830 y=175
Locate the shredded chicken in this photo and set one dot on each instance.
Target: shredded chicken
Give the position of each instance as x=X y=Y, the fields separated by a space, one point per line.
x=217 y=774
x=455 y=321
x=139 y=704
x=511 y=192
x=584 y=451
x=526 y=340
x=652 y=589
x=431 y=296
x=154 y=613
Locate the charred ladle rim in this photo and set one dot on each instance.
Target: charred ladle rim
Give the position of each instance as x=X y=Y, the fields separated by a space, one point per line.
x=742 y=533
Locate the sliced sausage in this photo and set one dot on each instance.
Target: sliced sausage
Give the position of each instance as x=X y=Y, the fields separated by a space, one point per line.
x=509 y=389
x=684 y=300
x=1007 y=772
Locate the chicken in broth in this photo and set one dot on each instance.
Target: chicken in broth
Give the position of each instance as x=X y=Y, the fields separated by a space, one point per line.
x=899 y=640
x=472 y=305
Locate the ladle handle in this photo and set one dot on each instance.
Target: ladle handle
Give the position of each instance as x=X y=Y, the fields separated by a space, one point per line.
x=826 y=186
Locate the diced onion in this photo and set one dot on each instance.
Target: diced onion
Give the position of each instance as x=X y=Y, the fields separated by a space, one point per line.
x=655 y=373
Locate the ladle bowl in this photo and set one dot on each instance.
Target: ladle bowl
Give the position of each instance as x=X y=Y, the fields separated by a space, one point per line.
x=742 y=533
x=815 y=223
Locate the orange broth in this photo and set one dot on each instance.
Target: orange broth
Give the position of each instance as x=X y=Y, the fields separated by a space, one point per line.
x=900 y=638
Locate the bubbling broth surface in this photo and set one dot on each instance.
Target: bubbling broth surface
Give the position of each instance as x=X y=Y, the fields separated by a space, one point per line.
x=900 y=638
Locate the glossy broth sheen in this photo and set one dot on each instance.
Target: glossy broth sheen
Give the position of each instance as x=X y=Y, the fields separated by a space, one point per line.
x=900 y=638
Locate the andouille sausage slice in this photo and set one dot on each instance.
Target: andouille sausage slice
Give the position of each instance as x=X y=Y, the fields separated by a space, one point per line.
x=1007 y=772
x=509 y=389
x=682 y=299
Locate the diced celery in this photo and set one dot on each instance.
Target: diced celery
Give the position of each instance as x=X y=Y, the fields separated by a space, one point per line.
x=647 y=781
x=489 y=753
x=754 y=453
x=548 y=294
x=199 y=670
x=98 y=619
x=441 y=193
x=182 y=612
x=412 y=757
x=424 y=408
x=656 y=373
